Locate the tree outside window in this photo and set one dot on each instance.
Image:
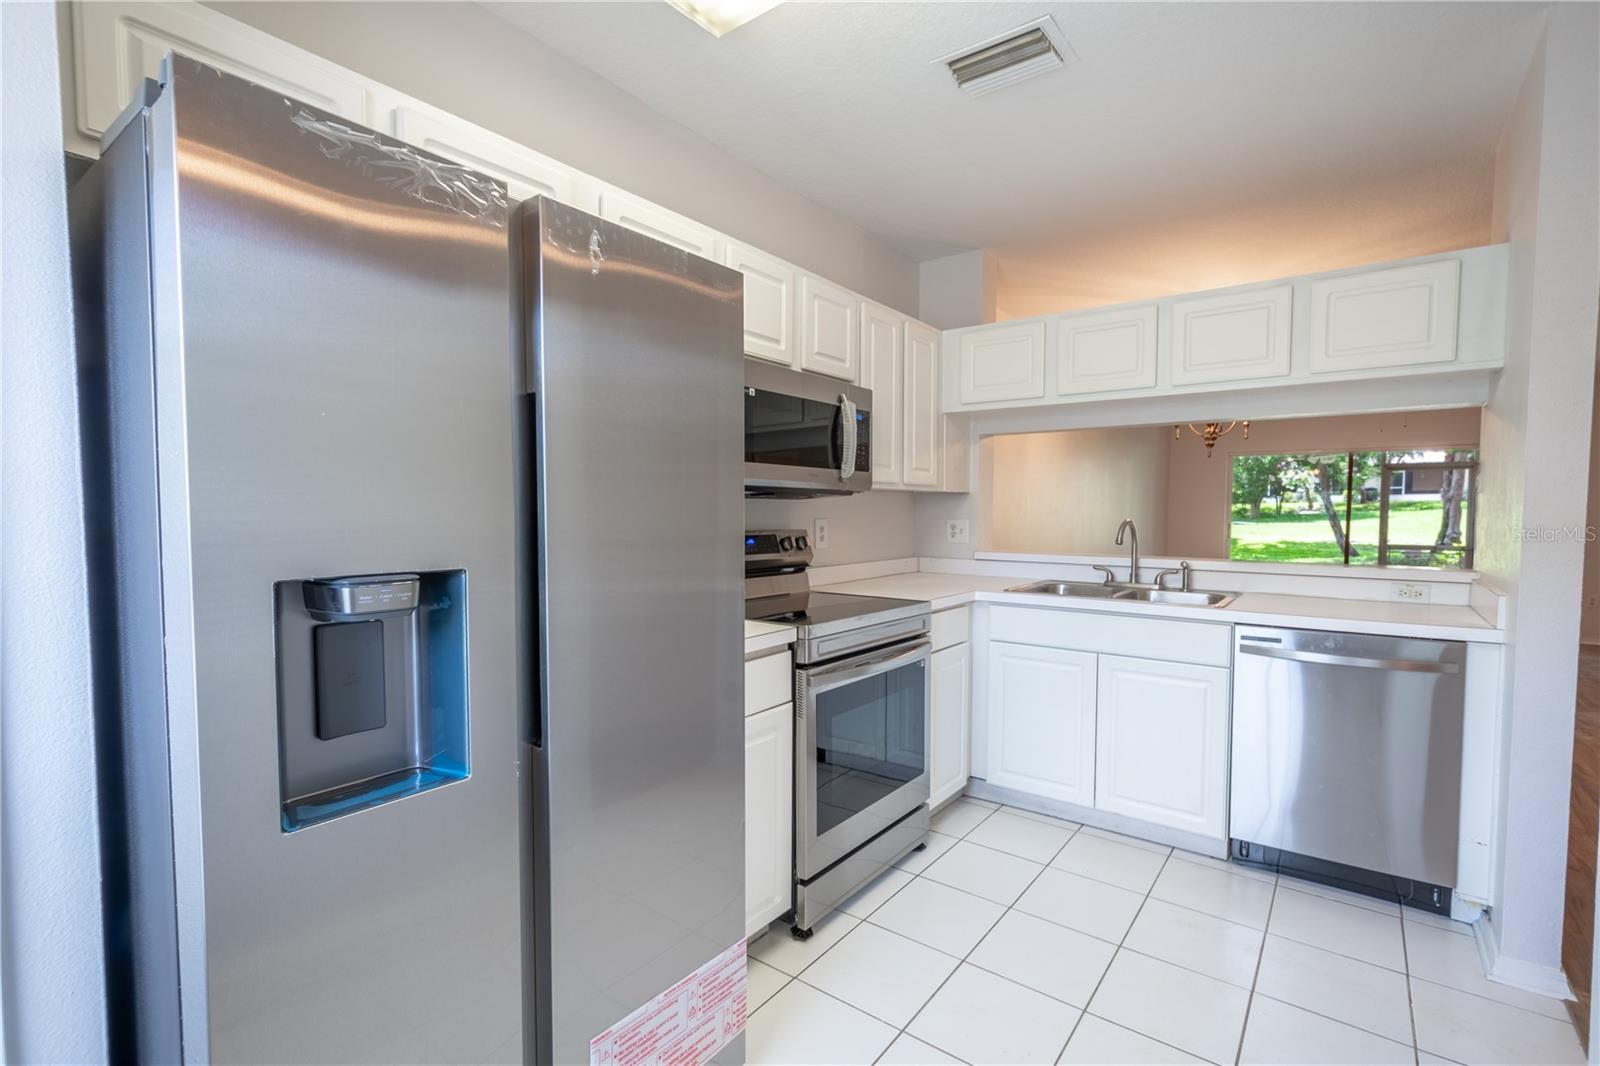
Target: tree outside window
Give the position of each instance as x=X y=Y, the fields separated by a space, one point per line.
x=1355 y=508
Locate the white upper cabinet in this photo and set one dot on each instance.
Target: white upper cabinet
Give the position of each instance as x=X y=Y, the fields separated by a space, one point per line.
x=1106 y=351
x=1002 y=363
x=1162 y=740
x=115 y=45
x=526 y=173
x=829 y=342
x=923 y=420
x=642 y=216
x=1042 y=721
x=883 y=371
x=1405 y=322
x=1385 y=318
x=769 y=285
x=1237 y=336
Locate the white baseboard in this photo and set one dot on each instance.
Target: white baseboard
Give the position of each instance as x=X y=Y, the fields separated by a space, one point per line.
x=1516 y=973
x=1114 y=823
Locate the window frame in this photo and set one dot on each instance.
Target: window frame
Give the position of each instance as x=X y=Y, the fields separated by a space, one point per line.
x=1470 y=502
x=1386 y=468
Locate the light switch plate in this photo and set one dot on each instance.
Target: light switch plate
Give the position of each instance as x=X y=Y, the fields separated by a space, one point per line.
x=819 y=535
x=955 y=531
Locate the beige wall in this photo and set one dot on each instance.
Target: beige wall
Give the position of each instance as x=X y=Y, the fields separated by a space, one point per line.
x=1318 y=227
x=862 y=528
x=1065 y=493
x=1200 y=489
x=1590 y=631
x=1535 y=449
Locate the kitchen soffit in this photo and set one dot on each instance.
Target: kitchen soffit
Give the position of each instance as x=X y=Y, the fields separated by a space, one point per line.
x=1185 y=108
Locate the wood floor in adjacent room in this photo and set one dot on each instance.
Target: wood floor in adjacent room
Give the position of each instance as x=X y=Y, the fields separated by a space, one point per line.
x=1577 y=940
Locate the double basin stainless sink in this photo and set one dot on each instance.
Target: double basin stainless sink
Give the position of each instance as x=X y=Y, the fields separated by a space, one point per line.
x=1128 y=593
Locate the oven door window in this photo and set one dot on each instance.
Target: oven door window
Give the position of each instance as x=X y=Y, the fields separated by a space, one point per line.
x=871 y=741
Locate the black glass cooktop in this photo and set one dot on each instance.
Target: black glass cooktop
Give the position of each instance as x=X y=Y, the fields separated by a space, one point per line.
x=818 y=608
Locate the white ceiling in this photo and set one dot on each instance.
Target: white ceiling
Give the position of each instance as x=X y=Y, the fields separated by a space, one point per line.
x=1171 y=111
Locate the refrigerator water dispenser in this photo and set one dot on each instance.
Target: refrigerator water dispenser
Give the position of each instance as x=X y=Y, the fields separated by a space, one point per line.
x=372 y=690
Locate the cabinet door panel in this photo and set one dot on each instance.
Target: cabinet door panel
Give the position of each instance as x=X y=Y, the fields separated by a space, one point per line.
x=769 y=285
x=883 y=371
x=526 y=173
x=923 y=419
x=1106 y=351
x=1162 y=740
x=950 y=701
x=1237 y=336
x=642 y=216
x=117 y=45
x=829 y=343
x=1384 y=318
x=1042 y=721
x=1002 y=363
x=768 y=815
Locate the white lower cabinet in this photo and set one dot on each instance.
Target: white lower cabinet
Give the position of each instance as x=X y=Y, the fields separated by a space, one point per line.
x=768 y=815
x=1161 y=737
x=1041 y=711
x=949 y=713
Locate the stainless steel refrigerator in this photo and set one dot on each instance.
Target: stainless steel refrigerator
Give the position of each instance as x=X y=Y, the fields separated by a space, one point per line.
x=417 y=601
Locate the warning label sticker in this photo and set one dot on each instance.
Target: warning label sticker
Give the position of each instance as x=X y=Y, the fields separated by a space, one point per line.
x=683 y=1026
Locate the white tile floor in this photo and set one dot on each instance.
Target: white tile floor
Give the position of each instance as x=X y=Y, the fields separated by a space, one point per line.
x=1016 y=938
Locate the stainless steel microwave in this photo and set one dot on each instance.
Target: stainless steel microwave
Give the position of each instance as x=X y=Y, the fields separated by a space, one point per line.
x=804 y=434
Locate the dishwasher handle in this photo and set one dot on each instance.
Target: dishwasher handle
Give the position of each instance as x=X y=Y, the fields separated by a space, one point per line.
x=1417 y=666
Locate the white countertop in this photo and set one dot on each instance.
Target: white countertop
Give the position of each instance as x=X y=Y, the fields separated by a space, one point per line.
x=1382 y=618
x=760 y=636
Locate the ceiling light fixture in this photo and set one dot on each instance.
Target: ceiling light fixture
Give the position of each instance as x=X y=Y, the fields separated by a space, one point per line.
x=718 y=17
x=1007 y=58
x=1212 y=432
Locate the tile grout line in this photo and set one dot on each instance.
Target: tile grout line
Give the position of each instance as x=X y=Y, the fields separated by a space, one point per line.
x=1261 y=953
x=918 y=1012
x=905 y=1030
x=1490 y=999
x=1340 y=954
x=861 y=921
x=1170 y=854
x=1113 y=959
x=1073 y=830
x=1411 y=1007
x=1328 y=1017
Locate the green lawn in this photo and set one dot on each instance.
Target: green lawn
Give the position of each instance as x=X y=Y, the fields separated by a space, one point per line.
x=1305 y=537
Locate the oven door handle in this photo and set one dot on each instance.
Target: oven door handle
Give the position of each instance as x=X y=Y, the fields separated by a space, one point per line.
x=823 y=678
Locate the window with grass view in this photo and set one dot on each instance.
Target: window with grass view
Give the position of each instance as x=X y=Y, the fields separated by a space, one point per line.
x=1411 y=508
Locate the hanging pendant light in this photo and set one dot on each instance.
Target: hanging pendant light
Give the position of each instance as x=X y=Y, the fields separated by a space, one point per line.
x=1211 y=432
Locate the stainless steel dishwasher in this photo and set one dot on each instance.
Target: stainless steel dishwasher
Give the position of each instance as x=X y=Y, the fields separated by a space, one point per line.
x=1347 y=759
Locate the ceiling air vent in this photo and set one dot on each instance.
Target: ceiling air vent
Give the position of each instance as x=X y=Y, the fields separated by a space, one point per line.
x=1009 y=58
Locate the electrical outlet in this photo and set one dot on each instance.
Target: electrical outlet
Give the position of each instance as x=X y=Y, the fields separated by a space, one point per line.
x=955 y=531
x=819 y=535
x=1592 y=602
x=1408 y=592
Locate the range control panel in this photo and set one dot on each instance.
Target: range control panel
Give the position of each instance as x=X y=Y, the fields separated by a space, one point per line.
x=768 y=549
